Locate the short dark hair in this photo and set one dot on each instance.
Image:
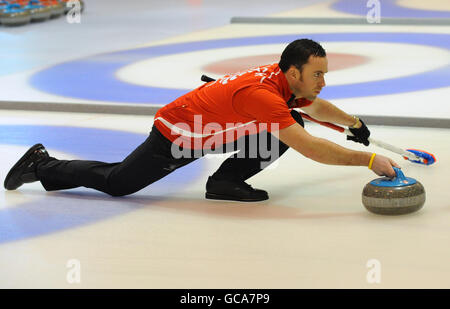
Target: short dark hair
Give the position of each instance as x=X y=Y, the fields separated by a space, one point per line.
x=298 y=52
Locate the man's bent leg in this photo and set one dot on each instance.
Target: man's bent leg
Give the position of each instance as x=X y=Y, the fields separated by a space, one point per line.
x=243 y=165
x=240 y=168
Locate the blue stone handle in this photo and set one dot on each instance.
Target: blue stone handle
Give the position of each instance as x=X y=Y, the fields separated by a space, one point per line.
x=399 y=175
x=398 y=181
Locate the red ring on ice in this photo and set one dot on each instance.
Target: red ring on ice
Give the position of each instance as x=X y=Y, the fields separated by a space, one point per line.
x=336 y=61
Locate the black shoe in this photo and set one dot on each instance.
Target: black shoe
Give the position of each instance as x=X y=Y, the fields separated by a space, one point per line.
x=235 y=191
x=24 y=171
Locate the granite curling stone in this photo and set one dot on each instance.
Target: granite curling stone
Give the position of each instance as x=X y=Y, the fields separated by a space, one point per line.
x=397 y=196
x=57 y=8
x=38 y=11
x=13 y=14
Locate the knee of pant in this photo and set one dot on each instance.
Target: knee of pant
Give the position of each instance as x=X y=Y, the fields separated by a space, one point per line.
x=296 y=115
x=115 y=185
x=122 y=191
x=119 y=193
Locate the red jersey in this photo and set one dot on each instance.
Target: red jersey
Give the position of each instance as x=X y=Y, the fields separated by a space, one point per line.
x=220 y=112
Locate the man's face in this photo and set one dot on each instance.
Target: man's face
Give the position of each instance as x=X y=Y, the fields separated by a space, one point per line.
x=310 y=80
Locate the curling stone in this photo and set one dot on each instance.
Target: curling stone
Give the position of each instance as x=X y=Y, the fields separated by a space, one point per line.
x=3 y=5
x=56 y=7
x=38 y=11
x=14 y=15
x=397 y=196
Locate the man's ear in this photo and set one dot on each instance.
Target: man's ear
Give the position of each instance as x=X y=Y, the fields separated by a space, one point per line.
x=294 y=72
x=297 y=74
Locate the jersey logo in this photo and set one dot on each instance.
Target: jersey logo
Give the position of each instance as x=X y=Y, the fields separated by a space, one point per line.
x=259 y=71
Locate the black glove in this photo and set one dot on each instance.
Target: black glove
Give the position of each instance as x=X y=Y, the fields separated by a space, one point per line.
x=361 y=135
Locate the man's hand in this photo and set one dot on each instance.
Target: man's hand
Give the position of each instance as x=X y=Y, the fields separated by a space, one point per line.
x=382 y=166
x=361 y=134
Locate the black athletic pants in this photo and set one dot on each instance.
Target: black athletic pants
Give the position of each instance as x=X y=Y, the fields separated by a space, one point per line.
x=151 y=161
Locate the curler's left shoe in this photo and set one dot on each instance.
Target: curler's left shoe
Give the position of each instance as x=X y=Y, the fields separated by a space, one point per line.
x=24 y=171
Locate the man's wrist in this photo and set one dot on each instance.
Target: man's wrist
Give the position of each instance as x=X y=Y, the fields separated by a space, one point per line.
x=361 y=158
x=366 y=157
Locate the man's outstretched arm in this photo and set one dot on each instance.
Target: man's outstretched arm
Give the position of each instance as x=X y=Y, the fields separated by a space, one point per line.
x=324 y=151
x=323 y=110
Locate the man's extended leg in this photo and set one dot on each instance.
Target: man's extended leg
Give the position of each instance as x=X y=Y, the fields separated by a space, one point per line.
x=151 y=161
